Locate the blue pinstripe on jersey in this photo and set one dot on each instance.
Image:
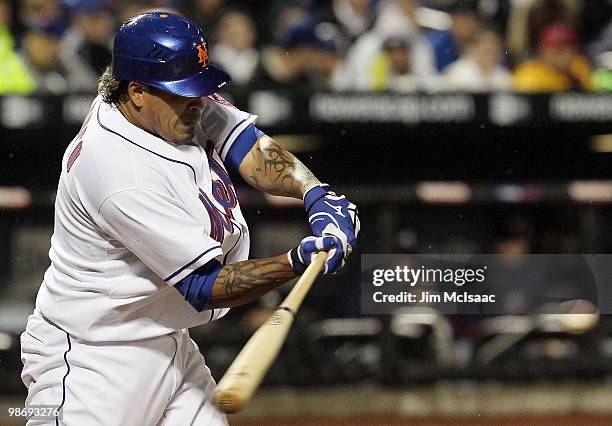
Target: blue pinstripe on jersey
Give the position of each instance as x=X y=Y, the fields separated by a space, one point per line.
x=227 y=138
x=190 y=263
x=65 y=376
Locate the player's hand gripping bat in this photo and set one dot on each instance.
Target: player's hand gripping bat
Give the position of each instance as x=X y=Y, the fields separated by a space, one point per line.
x=244 y=375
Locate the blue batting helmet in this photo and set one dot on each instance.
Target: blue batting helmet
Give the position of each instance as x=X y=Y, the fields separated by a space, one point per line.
x=166 y=51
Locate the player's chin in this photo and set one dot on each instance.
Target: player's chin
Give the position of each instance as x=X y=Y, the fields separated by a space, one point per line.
x=185 y=134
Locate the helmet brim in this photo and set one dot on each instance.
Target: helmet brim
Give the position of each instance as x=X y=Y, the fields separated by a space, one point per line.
x=208 y=81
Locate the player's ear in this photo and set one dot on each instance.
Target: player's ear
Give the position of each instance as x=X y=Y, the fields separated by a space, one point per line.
x=135 y=92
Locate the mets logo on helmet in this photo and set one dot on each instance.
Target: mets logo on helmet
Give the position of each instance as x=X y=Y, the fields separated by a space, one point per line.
x=202 y=54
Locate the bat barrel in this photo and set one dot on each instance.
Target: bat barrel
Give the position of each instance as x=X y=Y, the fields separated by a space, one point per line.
x=229 y=402
x=244 y=375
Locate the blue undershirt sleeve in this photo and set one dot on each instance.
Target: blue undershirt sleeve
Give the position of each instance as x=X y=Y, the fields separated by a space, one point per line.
x=197 y=287
x=241 y=146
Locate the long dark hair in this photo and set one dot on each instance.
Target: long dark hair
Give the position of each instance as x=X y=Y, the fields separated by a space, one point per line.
x=111 y=90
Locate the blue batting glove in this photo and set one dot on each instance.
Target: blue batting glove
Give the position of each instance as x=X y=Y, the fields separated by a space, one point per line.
x=330 y=214
x=303 y=255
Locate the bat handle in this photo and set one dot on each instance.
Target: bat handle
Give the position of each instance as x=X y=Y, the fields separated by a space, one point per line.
x=294 y=300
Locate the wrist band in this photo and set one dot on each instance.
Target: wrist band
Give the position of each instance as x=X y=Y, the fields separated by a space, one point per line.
x=308 y=188
x=314 y=195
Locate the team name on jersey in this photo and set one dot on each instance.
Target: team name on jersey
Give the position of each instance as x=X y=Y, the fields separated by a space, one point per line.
x=220 y=100
x=224 y=194
x=79 y=147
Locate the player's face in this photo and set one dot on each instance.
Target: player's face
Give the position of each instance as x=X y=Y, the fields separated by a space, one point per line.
x=171 y=117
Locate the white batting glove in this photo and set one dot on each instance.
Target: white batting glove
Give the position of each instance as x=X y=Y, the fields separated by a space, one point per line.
x=303 y=255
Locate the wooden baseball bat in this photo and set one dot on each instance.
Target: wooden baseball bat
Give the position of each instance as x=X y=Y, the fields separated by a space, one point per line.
x=244 y=375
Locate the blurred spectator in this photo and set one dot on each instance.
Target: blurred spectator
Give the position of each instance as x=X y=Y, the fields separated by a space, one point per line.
x=447 y=45
x=308 y=55
x=569 y=275
x=235 y=48
x=546 y=12
x=496 y=13
x=512 y=275
x=285 y=15
x=479 y=68
x=528 y=18
x=389 y=50
x=46 y=25
x=558 y=65
x=14 y=75
x=207 y=13
x=396 y=19
x=353 y=17
x=524 y=282
x=85 y=49
x=39 y=14
x=393 y=69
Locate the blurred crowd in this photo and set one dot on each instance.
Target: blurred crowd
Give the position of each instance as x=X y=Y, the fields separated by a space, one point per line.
x=61 y=46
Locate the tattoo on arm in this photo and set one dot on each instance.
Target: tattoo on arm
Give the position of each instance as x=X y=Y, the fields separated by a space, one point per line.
x=242 y=282
x=243 y=276
x=276 y=171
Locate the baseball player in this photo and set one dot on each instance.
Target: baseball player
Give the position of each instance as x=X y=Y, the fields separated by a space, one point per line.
x=149 y=238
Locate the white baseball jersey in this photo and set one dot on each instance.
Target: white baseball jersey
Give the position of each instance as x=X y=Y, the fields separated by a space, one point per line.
x=134 y=215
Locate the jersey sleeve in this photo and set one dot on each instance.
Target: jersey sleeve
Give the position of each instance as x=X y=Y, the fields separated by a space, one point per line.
x=228 y=128
x=159 y=232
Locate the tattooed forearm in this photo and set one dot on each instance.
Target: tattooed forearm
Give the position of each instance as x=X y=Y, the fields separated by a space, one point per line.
x=274 y=169
x=243 y=282
x=270 y=168
x=243 y=276
x=278 y=164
